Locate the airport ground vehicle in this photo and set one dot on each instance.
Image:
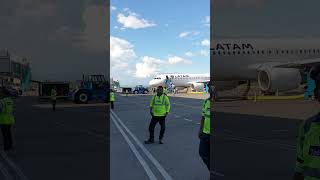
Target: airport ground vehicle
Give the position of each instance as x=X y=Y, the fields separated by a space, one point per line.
x=92 y=87
x=46 y=87
x=140 y=90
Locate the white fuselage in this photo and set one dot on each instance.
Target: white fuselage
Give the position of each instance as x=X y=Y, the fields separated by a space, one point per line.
x=240 y=59
x=179 y=80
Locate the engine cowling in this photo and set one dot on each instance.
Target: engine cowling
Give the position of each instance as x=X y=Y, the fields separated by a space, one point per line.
x=281 y=79
x=197 y=86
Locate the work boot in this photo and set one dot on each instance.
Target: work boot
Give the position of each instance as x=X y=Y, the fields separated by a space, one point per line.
x=150 y=141
x=160 y=141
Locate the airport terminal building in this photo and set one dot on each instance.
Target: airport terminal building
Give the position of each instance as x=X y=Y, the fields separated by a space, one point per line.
x=14 y=72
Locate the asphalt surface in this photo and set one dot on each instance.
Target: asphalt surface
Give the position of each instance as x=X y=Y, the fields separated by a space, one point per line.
x=70 y=143
x=177 y=158
x=252 y=140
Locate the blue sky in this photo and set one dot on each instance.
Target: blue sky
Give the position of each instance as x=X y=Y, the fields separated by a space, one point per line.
x=150 y=36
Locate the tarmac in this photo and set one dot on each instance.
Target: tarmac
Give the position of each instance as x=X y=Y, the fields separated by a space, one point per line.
x=251 y=140
x=70 y=143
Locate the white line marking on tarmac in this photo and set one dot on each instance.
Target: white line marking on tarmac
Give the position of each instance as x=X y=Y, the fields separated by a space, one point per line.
x=13 y=166
x=5 y=172
x=217 y=173
x=187 y=119
x=135 y=151
x=147 y=153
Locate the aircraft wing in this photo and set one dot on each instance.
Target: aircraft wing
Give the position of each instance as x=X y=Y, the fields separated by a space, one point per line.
x=300 y=64
x=205 y=81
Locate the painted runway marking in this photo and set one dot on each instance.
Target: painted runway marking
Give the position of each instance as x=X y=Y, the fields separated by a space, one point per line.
x=5 y=172
x=17 y=170
x=187 y=119
x=143 y=163
x=164 y=173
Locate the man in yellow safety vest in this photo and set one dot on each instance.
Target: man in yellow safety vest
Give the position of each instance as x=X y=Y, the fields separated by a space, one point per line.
x=7 y=119
x=112 y=98
x=159 y=109
x=205 y=130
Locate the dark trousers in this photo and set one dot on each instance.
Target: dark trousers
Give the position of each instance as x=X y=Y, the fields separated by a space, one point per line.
x=157 y=119
x=112 y=104
x=7 y=136
x=204 y=149
x=54 y=102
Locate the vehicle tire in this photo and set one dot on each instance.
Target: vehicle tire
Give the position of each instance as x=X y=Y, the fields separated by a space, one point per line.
x=82 y=97
x=145 y=92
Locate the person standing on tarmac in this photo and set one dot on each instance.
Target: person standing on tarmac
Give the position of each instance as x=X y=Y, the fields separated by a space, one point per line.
x=112 y=98
x=159 y=109
x=54 y=98
x=204 y=131
x=308 y=147
x=7 y=119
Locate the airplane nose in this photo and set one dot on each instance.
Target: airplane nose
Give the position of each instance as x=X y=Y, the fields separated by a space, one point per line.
x=151 y=83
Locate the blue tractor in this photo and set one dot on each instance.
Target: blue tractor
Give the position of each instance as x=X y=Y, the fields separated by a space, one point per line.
x=140 y=90
x=92 y=88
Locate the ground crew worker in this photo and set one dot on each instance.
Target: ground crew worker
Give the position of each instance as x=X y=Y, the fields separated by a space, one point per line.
x=6 y=118
x=112 y=98
x=308 y=147
x=165 y=91
x=53 y=98
x=159 y=109
x=204 y=131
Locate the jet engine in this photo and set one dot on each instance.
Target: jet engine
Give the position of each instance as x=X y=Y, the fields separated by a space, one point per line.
x=197 y=86
x=281 y=79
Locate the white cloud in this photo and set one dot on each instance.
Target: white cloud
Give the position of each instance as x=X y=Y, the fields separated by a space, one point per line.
x=113 y=8
x=148 y=67
x=205 y=42
x=204 y=53
x=133 y=21
x=186 y=33
x=121 y=52
x=93 y=36
x=207 y=21
x=176 y=59
x=189 y=54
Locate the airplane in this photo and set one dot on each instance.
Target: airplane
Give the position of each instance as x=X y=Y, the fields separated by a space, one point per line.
x=181 y=81
x=277 y=64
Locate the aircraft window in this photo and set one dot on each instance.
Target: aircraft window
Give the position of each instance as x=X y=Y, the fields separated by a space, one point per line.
x=239 y=52
x=234 y=52
x=269 y=52
x=277 y=51
x=305 y=51
x=224 y=53
x=248 y=52
x=300 y=51
x=258 y=52
x=282 y=51
x=314 y=51
x=309 y=51
x=219 y=52
x=243 y=52
x=262 y=52
x=229 y=52
x=253 y=52
x=318 y=50
x=214 y=52
x=287 y=51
